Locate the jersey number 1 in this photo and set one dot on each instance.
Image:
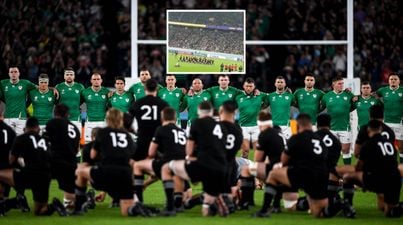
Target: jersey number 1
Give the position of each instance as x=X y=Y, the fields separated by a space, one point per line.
x=5 y=136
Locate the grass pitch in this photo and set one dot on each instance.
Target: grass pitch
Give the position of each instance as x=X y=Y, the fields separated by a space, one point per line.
x=185 y=67
x=364 y=203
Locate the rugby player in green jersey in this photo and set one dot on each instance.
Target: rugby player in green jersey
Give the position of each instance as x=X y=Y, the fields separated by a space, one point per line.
x=96 y=99
x=172 y=95
x=191 y=102
x=223 y=92
x=307 y=99
x=249 y=106
x=69 y=95
x=43 y=101
x=339 y=105
x=392 y=98
x=15 y=91
x=137 y=89
x=280 y=103
x=363 y=102
x=120 y=99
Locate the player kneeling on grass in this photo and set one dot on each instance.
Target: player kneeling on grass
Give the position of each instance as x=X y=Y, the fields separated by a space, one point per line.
x=269 y=145
x=377 y=170
x=167 y=144
x=113 y=173
x=30 y=151
x=303 y=166
x=207 y=140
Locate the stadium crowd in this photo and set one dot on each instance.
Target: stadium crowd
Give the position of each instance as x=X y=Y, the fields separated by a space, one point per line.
x=47 y=36
x=205 y=39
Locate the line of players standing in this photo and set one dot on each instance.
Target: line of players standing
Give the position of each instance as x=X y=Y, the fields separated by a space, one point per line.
x=338 y=103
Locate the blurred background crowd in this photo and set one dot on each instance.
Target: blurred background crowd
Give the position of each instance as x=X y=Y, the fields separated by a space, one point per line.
x=45 y=36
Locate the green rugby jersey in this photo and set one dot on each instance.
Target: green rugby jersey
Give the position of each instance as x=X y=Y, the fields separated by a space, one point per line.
x=96 y=103
x=15 y=97
x=308 y=102
x=249 y=107
x=393 y=104
x=362 y=105
x=280 y=105
x=137 y=90
x=69 y=95
x=192 y=102
x=173 y=97
x=218 y=96
x=121 y=101
x=338 y=106
x=42 y=104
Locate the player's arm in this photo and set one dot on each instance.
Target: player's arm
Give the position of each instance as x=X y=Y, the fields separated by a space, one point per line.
x=285 y=158
x=259 y=156
x=189 y=148
x=184 y=103
x=359 y=166
x=357 y=149
x=152 y=150
x=322 y=104
x=352 y=104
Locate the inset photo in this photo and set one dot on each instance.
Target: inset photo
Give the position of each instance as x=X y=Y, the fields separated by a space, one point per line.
x=206 y=41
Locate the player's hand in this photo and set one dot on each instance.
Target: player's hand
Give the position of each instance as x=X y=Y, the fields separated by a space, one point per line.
x=110 y=93
x=56 y=93
x=277 y=166
x=348 y=90
x=256 y=92
x=184 y=91
x=374 y=94
x=355 y=98
x=190 y=92
x=288 y=90
x=100 y=197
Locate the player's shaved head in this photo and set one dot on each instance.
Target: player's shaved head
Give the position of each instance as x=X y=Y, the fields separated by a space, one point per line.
x=304 y=122
x=323 y=120
x=376 y=112
x=151 y=85
x=32 y=124
x=229 y=106
x=374 y=126
x=205 y=109
x=168 y=114
x=61 y=110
